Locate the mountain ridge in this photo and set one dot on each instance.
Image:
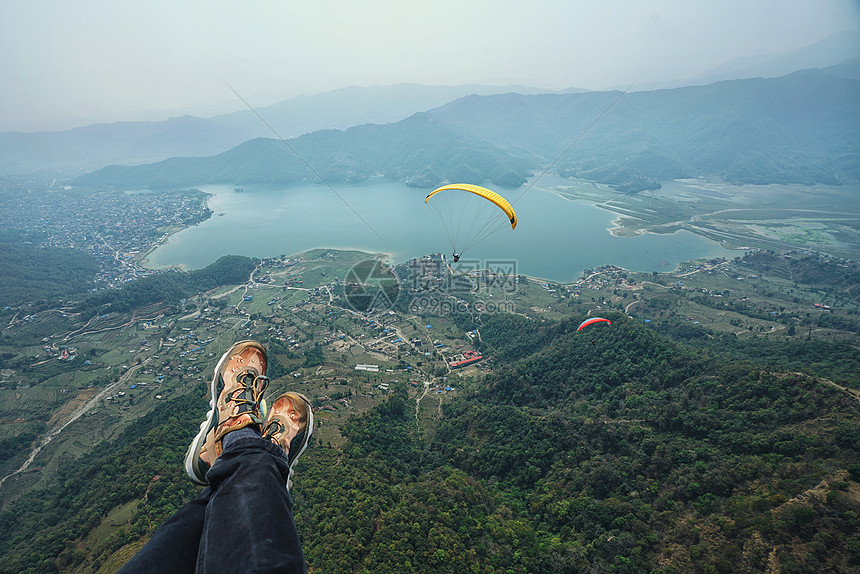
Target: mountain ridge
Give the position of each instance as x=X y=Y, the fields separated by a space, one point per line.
x=827 y=52
x=797 y=128
x=95 y=146
x=137 y=142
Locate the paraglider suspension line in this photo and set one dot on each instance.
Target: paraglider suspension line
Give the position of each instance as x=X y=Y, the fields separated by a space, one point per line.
x=573 y=143
x=316 y=173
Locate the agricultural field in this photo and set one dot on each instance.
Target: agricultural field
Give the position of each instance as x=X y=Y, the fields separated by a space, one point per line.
x=780 y=217
x=83 y=382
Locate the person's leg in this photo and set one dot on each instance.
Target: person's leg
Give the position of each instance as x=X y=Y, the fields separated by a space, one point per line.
x=236 y=390
x=237 y=385
x=290 y=424
x=174 y=546
x=249 y=523
x=244 y=519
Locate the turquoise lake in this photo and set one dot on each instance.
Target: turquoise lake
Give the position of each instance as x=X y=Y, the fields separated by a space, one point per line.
x=556 y=238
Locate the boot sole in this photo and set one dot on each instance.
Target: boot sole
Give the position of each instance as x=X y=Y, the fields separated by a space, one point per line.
x=309 y=432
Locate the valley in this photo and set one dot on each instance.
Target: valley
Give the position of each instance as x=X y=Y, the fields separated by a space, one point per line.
x=90 y=380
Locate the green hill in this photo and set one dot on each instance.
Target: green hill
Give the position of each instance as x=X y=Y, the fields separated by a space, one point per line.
x=418 y=150
x=800 y=128
x=612 y=450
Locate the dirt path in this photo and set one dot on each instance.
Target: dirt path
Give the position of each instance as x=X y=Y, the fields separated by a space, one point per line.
x=233 y=290
x=418 y=405
x=818 y=493
x=694 y=271
x=78 y=413
x=852 y=392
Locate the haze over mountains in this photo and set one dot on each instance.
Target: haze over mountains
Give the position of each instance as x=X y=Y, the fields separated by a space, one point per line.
x=818 y=55
x=130 y=143
x=832 y=50
x=800 y=128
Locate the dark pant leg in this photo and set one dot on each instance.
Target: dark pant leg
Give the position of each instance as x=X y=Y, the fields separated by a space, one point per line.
x=249 y=523
x=174 y=546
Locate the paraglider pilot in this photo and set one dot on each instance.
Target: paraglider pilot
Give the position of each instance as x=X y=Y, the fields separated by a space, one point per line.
x=485 y=193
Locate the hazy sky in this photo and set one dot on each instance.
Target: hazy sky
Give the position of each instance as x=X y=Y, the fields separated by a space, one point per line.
x=65 y=63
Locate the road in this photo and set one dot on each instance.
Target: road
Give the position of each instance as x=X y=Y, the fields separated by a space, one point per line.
x=81 y=411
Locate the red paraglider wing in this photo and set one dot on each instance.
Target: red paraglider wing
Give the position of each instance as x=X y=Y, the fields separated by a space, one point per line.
x=591 y=321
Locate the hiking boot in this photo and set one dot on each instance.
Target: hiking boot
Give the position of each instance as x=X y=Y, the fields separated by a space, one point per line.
x=237 y=388
x=290 y=424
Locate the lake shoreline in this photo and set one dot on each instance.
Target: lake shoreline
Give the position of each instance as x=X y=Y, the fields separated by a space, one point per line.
x=559 y=234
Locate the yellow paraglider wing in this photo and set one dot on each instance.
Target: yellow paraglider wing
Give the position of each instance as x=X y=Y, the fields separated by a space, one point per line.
x=487 y=194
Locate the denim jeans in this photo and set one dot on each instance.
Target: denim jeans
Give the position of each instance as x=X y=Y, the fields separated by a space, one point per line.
x=242 y=522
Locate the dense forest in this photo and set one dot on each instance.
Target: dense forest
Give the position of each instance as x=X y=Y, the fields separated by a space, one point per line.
x=616 y=449
x=36 y=274
x=169 y=287
x=143 y=464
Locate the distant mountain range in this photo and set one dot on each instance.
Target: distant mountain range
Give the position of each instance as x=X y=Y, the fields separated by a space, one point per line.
x=800 y=128
x=134 y=143
x=836 y=48
x=418 y=150
x=95 y=146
